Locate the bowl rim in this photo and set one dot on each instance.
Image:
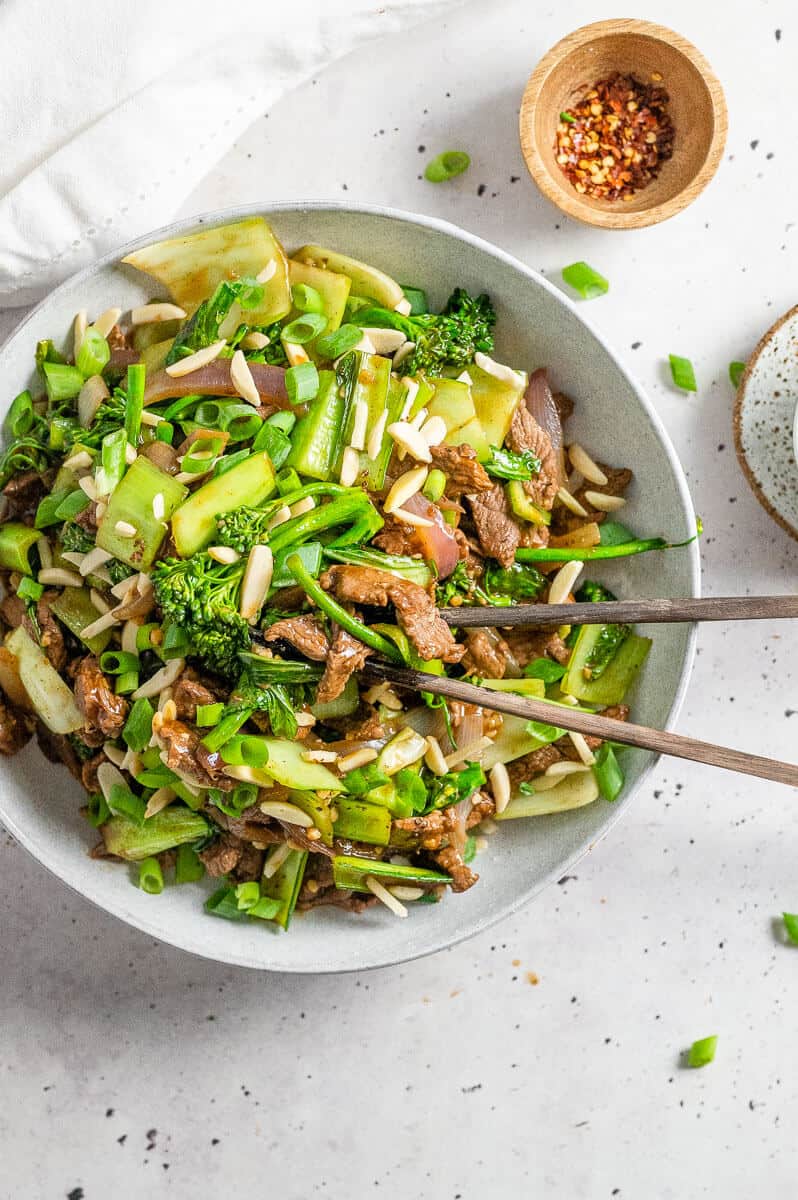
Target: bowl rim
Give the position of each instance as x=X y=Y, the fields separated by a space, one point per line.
x=557 y=192
x=193 y=945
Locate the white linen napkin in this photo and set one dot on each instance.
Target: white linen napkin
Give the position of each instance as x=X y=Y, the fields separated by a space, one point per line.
x=113 y=114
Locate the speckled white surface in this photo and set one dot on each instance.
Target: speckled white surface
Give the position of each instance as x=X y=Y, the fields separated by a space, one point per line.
x=131 y=1070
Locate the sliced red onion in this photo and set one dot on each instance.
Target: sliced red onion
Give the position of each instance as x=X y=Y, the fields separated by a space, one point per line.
x=214 y=380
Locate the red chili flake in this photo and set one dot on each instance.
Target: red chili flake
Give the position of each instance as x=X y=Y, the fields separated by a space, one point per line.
x=614 y=140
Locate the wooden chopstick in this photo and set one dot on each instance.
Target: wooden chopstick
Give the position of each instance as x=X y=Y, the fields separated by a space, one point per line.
x=646 y=612
x=592 y=724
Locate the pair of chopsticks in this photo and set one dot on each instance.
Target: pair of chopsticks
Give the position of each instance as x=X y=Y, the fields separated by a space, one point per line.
x=721 y=608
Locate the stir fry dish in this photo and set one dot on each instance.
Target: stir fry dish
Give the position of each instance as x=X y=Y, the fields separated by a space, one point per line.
x=218 y=507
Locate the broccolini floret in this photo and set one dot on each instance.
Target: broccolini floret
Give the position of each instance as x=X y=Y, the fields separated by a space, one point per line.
x=108 y=418
x=203 y=596
x=447 y=339
x=593 y=593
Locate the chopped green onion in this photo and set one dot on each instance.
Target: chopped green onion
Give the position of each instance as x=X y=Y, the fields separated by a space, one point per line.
x=304 y=329
x=202 y=454
x=151 y=876
x=114 y=447
x=61 y=382
x=702 y=1052
x=228 y=461
x=180 y=408
x=188 y=866
x=115 y=662
x=306 y=299
x=123 y=803
x=736 y=370
x=144 y=636
x=134 y=401
x=302 y=383
x=447 y=165
x=71 y=505
x=247 y=895
x=245 y=751
x=126 y=683
x=20 y=415
x=97 y=812
x=282 y=420
x=47 y=511
x=340 y=341
x=288 y=481
x=545 y=669
x=567 y=117
x=209 y=714
x=229 y=725
x=682 y=373
x=93 y=353
x=274 y=442
x=584 y=280
x=435 y=485
x=176 y=642
x=165 y=432
x=609 y=775
x=416 y=298
x=29 y=589
x=16 y=542
x=138 y=727
x=266 y=909
x=223 y=904
x=791 y=925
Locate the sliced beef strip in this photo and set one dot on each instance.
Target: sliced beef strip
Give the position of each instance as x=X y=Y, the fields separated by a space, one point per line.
x=88 y=772
x=526 y=434
x=305 y=633
x=189 y=692
x=498 y=529
x=346 y=656
x=463 y=472
x=450 y=860
x=15 y=613
x=87 y=517
x=103 y=710
x=534 y=763
x=57 y=749
x=249 y=865
x=318 y=888
x=15 y=730
x=415 y=610
x=527 y=644
x=363 y=725
x=395 y=537
x=185 y=754
x=485 y=655
x=23 y=493
x=223 y=855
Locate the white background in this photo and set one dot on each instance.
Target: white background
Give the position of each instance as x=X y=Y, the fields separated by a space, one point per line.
x=128 y=1069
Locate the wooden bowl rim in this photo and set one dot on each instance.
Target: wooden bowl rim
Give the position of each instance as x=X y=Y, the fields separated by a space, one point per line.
x=737 y=417
x=575 y=206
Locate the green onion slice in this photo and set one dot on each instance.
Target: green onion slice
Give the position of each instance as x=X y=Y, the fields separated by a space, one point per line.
x=702 y=1052
x=682 y=373
x=306 y=299
x=791 y=925
x=151 y=876
x=302 y=383
x=736 y=370
x=447 y=165
x=340 y=341
x=304 y=329
x=93 y=354
x=585 y=280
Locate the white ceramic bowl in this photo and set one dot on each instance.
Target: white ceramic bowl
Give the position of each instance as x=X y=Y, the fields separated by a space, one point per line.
x=537 y=325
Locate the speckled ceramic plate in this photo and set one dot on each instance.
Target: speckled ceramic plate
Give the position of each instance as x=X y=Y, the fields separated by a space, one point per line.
x=39 y=803
x=765 y=421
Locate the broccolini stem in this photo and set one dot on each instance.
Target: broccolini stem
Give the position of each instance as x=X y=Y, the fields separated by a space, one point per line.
x=336 y=612
x=589 y=553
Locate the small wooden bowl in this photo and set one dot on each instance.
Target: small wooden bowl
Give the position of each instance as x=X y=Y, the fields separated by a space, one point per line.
x=697 y=108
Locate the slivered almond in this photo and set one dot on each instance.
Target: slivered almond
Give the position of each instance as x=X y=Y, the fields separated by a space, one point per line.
x=223 y=554
x=350 y=465
x=256 y=582
x=405 y=487
x=106 y=621
x=281 y=810
x=358 y=438
x=295 y=353
x=498 y=370
x=384 y=896
x=59 y=577
x=160 y=799
x=275 y=860
x=404 y=307
x=200 y=358
x=410 y=440
x=384 y=341
x=106 y=321
x=402 y=353
x=411 y=387
x=434 y=757
x=158 y=506
x=603 y=502
x=358 y=758
x=563 y=582
x=95 y=558
x=160 y=680
x=79 y=327
x=255 y=340
x=584 y=464
x=242 y=380
x=151 y=314
x=282 y=515
x=570 y=502
x=500 y=786
x=125 y=529
x=374 y=444
x=582 y=749
x=433 y=430
x=411 y=518
x=306 y=504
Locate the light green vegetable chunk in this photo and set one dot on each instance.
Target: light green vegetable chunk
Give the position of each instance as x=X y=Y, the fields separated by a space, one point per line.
x=131 y=502
x=194 y=522
x=51 y=698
